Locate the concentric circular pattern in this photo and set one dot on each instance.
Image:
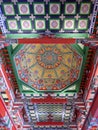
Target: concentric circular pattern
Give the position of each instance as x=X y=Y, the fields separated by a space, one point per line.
x=85 y=8
x=26 y=24
x=54 y=24
x=82 y=24
x=12 y=25
x=9 y=9
x=54 y=8
x=70 y=8
x=39 y=9
x=24 y=9
x=40 y=24
x=49 y=58
x=69 y=24
x=48 y=67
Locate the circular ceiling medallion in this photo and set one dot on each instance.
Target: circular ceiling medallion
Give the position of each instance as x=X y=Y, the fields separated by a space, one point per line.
x=9 y=9
x=24 y=9
x=54 y=8
x=49 y=58
x=26 y=24
x=85 y=8
x=12 y=24
x=82 y=24
x=39 y=9
x=70 y=8
x=69 y=24
x=54 y=24
x=40 y=24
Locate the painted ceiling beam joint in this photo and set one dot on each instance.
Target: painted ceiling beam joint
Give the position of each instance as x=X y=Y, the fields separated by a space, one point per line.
x=49 y=100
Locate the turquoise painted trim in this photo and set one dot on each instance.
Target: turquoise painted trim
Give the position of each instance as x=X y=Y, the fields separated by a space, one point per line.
x=58 y=35
x=16 y=49
x=13 y=66
x=72 y=35
x=24 y=91
x=16 y=36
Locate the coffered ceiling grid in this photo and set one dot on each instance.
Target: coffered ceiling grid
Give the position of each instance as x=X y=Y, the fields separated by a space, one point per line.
x=46 y=17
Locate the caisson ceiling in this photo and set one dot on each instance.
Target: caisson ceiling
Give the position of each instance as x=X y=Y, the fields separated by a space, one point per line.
x=48 y=77
x=46 y=70
x=48 y=67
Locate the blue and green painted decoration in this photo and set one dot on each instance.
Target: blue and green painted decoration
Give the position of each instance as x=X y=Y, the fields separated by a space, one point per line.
x=46 y=17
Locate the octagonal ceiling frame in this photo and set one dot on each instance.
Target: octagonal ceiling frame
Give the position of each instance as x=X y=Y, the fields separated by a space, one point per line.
x=32 y=91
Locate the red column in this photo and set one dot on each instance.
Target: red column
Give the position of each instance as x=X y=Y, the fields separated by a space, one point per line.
x=92 y=116
x=4 y=111
x=92 y=113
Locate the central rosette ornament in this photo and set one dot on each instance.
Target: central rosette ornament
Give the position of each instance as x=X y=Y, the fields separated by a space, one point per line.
x=49 y=57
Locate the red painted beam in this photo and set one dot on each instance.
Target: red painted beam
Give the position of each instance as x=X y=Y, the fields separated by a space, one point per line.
x=50 y=123
x=3 y=128
x=45 y=40
x=48 y=100
x=3 y=107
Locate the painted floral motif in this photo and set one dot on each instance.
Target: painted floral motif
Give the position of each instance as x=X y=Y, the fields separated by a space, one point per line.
x=54 y=24
x=70 y=8
x=40 y=24
x=12 y=24
x=23 y=9
x=82 y=24
x=9 y=9
x=85 y=8
x=48 y=67
x=54 y=8
x=69 y=24
x=39 y=9
x=49 y=58
x=26 y=24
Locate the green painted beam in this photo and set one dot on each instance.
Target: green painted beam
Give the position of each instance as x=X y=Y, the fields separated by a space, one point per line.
x=17 y=36
x=62 y=35
x=72 y=35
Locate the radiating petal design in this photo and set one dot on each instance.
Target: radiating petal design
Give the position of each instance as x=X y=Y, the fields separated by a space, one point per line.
x=48 y=67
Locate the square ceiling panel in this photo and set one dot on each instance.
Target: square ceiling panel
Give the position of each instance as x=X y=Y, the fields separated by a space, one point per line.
x=70 y=8
x=54 y=24
x=85 y=8
x=39 y=8
x=54 y=8
x=26 y=24
x=12 y=24
x=23 y=8
x=40 y=24
x=69 y=24
x=8 y=9
x=83 y=24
